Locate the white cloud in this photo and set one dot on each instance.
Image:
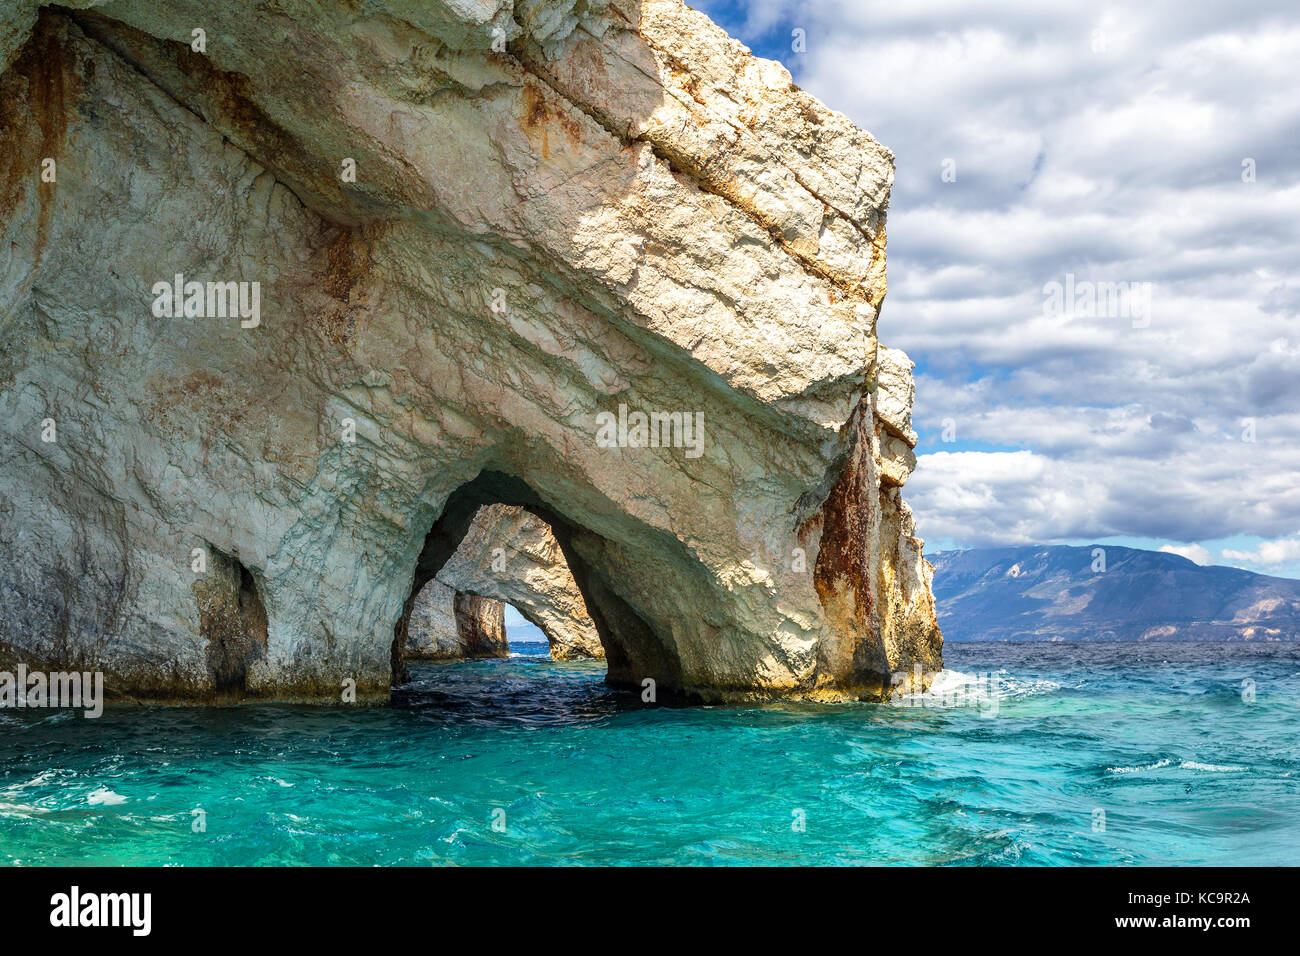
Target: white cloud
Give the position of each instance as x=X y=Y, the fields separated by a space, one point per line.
x=1210 y=490
x=1123 y=165
x=1268 y=553
x=979 y=498
x=1192 y=552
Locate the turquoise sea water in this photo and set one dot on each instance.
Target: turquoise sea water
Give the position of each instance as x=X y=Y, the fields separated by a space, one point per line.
x=1156 y=736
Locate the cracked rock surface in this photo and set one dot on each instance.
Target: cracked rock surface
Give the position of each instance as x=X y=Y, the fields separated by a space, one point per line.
x=562 y=211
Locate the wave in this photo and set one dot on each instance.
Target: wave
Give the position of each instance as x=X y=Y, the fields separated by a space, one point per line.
x=953 y=688
x=1210 y=767
x=1153 y=766
x=105 y=797
x=1183 y=765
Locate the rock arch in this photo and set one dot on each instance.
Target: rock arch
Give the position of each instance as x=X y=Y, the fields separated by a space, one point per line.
x=632 y=648
x=622 y=215
x=510 y=555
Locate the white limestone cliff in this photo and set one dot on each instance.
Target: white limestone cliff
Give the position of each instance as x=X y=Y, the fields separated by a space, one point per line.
x=562 y=211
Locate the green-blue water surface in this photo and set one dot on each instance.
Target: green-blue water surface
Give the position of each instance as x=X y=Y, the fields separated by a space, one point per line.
x=1074 y=754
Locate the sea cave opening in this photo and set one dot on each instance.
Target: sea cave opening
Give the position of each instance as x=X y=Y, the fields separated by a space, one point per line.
x=500 y=566
x=524 y=637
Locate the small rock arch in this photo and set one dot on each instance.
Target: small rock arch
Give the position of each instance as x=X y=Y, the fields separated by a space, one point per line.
x=632 y=649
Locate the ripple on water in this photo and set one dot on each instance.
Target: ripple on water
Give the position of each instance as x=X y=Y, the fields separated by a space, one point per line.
x=575 y=772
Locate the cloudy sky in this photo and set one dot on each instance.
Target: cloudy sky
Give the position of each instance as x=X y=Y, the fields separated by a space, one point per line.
x=1150 y=153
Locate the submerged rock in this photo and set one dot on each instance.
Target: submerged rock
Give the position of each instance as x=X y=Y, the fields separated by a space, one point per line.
x=591 y=260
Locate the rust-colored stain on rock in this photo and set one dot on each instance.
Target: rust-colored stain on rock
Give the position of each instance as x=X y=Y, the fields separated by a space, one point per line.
x=537 y=118
x=34 y=120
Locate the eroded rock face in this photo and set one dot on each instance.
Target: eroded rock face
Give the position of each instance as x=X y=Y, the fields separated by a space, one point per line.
x=432 y=633
x=563 y=215
x=511 y=555
x=446 y=625
x=481 y=623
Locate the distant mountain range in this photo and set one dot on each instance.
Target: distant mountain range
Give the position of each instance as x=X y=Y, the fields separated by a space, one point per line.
x=1052 y=593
